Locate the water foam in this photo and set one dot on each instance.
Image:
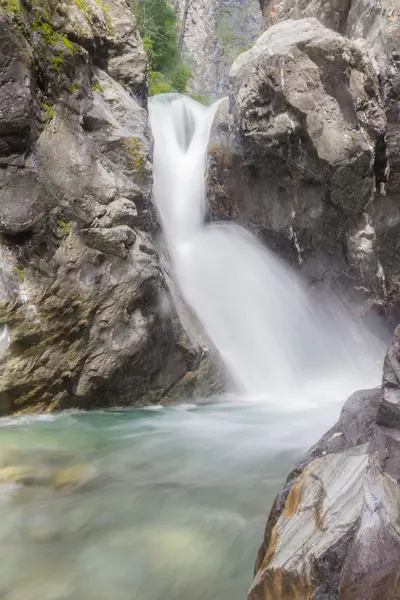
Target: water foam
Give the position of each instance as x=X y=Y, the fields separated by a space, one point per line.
x=272 y=334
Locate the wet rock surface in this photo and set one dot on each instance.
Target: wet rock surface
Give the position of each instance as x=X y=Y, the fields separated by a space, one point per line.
x=294 y=157
x=306 y=151
x=332 y=533
x=81 y=285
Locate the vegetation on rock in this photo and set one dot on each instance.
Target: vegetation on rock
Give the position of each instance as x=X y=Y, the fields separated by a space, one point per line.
x=158 y=27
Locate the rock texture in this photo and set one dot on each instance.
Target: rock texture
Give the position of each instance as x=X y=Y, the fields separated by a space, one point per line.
x=83 y=317
x=333 y=532
x=214 y=33
x=305 y=152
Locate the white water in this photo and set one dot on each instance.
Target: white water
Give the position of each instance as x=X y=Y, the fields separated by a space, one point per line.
x=272 y=335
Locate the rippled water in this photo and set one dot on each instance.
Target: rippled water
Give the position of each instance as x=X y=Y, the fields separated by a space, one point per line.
x=145 y=504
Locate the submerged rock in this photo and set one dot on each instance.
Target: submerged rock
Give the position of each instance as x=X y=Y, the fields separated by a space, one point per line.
x=72 y=477
x=333 y=533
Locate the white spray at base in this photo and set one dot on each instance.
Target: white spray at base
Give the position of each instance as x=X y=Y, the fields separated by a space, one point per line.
x=272 y=335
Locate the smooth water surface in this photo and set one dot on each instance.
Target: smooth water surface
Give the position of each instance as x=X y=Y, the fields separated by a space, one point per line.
x=144 y=504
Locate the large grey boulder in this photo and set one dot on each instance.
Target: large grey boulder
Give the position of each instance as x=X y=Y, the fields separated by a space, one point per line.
x=293 y=156
x=85 y=319
x=333 y=532
x=368 y=268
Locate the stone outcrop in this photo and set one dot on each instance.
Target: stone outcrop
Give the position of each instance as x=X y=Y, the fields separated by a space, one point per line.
x=85 y=319
x=333 y=532
x=305 y=154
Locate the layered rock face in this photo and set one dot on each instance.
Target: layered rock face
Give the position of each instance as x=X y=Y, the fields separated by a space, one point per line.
x=333 y=532
x=85 y=315
x=305 y=152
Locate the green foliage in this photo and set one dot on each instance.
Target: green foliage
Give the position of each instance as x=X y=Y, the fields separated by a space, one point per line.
x=97 y=87
x=237 y=28
x=50 y=110
x=64 y=225
x=11 y=6
x=75 y=85
x=180 y=78
x=158 y=84
x=19 y=272
x=158 y=26
x=61 y=46
x=56 y=61
x=148 y=46
x=134 y=148
x=202 y=98
x=157 y=22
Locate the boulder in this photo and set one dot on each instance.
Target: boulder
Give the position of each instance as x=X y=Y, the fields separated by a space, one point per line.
x=333 y=533
x=294 y=158
x=377 y=27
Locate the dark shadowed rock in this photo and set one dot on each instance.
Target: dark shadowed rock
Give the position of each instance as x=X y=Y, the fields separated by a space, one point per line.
x=389 y=409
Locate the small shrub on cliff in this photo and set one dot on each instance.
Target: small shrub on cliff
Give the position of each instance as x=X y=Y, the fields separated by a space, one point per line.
x=157 y=84
x=180 y=78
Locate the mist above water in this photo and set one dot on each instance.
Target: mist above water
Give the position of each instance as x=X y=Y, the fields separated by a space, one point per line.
x=271 y=332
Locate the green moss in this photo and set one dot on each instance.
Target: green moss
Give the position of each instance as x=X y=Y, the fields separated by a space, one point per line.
x=53 y=39
x=134 y=148
x=56 y=61
x=202 y=98
x=19 y=272
x=81 y=4
x=64 y=225
x=50 y=110
x=45 y=30
x=105 y=9
x=71 y=47
x=11 y=6
x=73 y=87
x=97 y=87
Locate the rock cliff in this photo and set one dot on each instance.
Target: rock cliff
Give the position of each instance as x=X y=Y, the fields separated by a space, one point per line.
x=85 y=315
x=333 y=532
x=213 y=33
x=306 y=150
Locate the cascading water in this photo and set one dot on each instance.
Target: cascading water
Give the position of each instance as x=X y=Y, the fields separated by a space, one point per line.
x=166 y=503
x=270 y=332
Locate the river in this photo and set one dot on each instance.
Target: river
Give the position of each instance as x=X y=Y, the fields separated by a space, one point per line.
x=171 y=503
x=146 y=504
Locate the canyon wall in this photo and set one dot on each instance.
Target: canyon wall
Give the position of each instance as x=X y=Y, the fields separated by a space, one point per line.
x=86 y=317
x=213 y=33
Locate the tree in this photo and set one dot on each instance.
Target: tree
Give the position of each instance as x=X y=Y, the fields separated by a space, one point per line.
x=158 y=26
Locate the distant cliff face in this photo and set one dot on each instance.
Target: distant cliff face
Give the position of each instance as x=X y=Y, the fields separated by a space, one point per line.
x=213 y=34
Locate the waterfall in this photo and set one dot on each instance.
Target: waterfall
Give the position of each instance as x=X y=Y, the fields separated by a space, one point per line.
x=271 y=333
